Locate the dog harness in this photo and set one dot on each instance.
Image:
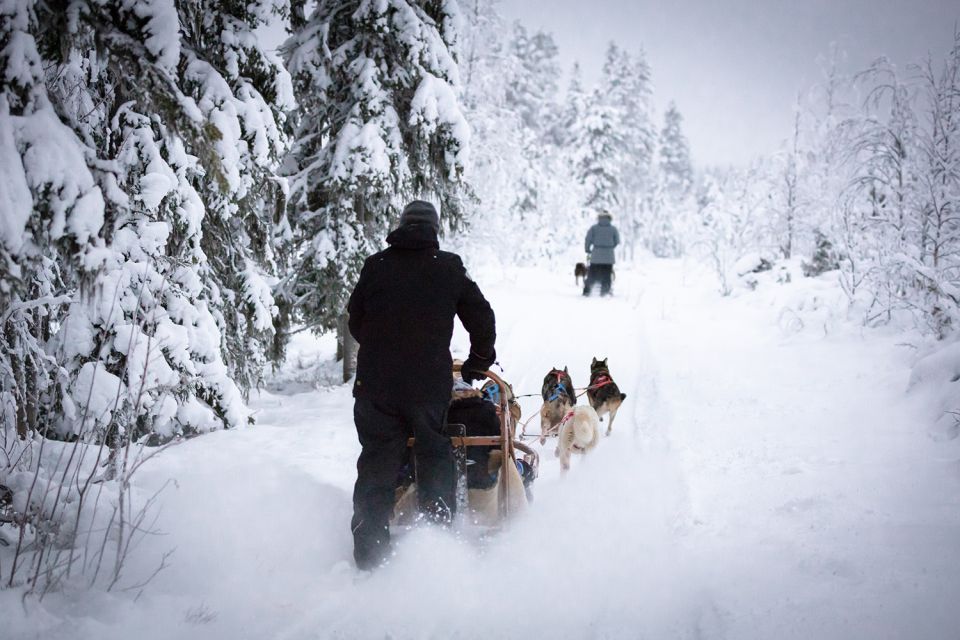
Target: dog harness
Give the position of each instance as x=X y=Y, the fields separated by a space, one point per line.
x=601 y=381
x=555 y=429
x=559 y=389
x=573 y=445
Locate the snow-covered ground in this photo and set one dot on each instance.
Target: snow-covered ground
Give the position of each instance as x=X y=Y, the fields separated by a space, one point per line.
x=761 y=482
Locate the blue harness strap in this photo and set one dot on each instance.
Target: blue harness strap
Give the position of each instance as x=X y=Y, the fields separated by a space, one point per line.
x=559 y=390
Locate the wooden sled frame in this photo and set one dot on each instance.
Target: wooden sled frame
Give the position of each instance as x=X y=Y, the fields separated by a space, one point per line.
x=506 y=493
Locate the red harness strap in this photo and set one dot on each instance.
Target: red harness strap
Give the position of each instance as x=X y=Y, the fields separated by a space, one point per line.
x=573 y=445
x=556 y=428
x=601 y=381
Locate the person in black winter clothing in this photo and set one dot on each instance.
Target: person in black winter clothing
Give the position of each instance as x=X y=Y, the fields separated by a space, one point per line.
x=401 y=314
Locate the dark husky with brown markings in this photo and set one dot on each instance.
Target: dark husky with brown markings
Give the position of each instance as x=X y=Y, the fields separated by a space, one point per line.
x=558 y=399
x=602 y=393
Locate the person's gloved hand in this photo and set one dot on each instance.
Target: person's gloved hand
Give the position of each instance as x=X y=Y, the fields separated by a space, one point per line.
x=470 y=371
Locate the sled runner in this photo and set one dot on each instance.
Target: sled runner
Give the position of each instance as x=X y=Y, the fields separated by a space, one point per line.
x=484 y=503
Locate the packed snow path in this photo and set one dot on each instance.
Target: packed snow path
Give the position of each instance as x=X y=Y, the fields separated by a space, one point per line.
x=758 y=484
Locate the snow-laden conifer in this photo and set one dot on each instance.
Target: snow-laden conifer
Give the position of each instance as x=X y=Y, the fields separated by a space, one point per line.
x=533 y=78
x=670 y=215
x=379 y=122
x=675 y=166
x=146 y=144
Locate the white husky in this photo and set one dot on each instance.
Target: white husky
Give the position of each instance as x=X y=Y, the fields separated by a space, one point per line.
x=579 y=433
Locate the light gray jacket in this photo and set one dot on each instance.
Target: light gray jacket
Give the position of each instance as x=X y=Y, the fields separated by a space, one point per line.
x=602 y=238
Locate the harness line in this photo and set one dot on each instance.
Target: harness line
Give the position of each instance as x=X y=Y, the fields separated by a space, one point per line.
x=581 y=390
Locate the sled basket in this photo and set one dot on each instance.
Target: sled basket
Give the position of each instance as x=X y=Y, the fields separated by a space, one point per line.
x=507 y=497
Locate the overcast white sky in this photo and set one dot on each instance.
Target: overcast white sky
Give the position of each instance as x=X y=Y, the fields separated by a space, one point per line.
x=735 y=67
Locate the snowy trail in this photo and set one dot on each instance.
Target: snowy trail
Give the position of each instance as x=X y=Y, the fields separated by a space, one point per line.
x=556 y=566
x=757 y=484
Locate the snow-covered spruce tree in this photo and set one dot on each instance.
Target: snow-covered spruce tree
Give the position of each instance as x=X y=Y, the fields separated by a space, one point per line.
x=628 y=88
x=573 y=110
x=600 y=152
x=675 y=166
x=52 y=212
x=378 y=122
x=533 y=78
x=497 y=140
x=120 y=133
x=672 y=204
x=540 y=178
x=613 y=145
x=168 y=126
x=518 y=170
x=243 y=92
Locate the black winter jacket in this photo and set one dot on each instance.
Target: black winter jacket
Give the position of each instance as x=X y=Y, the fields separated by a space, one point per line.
x=401 y=313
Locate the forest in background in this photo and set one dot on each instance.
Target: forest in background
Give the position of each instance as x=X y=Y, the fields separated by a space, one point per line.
x=177 y=199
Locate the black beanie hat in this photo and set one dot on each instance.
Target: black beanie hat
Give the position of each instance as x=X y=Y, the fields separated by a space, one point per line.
x=420 y=212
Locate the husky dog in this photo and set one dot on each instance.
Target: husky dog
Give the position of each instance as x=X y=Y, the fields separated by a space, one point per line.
x=580 y=272
x=579 y=433
x=602 y=393
x=558 y=399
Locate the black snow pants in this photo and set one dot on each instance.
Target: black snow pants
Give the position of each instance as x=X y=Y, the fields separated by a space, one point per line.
x=383 y=432
x=598 y=273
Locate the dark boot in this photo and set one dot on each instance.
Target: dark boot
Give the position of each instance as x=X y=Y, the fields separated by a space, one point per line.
x=371 y=544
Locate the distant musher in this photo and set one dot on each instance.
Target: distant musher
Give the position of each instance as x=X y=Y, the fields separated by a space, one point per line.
x=602 y=239
x=401 y=314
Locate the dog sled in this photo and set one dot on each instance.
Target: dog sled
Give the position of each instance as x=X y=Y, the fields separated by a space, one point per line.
x=487 y=504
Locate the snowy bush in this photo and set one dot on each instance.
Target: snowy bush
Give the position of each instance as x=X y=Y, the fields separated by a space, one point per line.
x=727 y=230
x=824 y=257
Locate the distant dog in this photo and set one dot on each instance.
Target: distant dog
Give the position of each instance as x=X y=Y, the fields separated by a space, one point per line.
x=579 y=433
x=602 y=393
x=558 y=399
x=580 y=272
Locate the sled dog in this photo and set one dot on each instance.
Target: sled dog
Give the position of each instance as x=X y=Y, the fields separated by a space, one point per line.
x=558 y=399
x=580 y=272
x=602 y=393
x=579 y=433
